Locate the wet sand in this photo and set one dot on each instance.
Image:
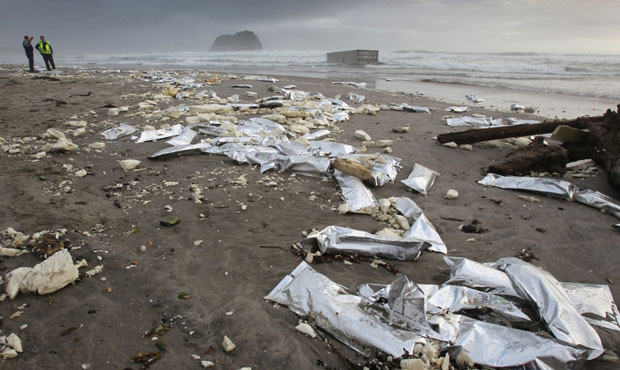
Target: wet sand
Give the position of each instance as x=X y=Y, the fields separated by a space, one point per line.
x=103 y=322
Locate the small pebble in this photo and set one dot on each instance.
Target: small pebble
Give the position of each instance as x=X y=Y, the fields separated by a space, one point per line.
x=452 y=194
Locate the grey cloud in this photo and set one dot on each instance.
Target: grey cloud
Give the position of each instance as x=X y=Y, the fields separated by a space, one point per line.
x=476 y=25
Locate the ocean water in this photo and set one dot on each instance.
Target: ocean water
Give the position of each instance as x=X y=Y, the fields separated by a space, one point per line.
x=577 y=84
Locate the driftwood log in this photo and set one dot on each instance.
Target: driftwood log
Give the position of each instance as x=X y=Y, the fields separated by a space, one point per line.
x=504 y=132
x=602 y=145
x=535 y=157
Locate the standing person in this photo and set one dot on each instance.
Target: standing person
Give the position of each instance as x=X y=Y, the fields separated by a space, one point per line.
x=29 y=51
x=47 y=53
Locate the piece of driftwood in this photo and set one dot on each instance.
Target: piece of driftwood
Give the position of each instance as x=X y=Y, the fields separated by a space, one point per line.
x=503 y=132
x=536 y=157
x=353 y=168
x=603 y=145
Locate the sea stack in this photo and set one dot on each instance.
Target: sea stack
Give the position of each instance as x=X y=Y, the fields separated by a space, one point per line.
x=240 y=41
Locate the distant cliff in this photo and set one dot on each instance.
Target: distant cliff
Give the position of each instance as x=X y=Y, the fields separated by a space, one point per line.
x=240 y=41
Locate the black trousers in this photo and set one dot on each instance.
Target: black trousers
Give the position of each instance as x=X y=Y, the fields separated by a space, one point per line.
x=30 y=61
x=49 y=60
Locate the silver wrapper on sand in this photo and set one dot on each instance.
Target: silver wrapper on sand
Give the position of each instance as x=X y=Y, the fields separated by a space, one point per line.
x=316 y=135
x=421 y=179
x=302 y=164
x=118 y=132
x=474 y=122
x=410 y=108
x=185 y=138
x=452 y=298
x=553 y=187
x=358 y=197
x=598 y=200
x=499 y=346
x=407 y=208
x=421 y=228
x=595 y=303
x=478 y=275
x=174 y=151
x=356 y=98
x=340 y=313
x=554 y=306
x=337 y=240
x=385 y=170
x=160 y=134
x=327 y=148
x=286 y=146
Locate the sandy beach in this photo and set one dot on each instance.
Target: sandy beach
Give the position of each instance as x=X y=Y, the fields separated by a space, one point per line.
x=232 y=248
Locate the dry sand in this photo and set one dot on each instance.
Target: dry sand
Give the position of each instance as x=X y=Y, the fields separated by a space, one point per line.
x=87 y=323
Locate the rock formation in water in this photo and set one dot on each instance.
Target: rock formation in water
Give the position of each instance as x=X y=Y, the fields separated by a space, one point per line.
x=241 y=41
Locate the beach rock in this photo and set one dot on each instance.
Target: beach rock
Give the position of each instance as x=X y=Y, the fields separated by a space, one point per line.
x=306 y=329
x=81 y=173
x=11 y=252
x=362 y=135
x=60 y=146
x=96 y=145
x=384 y=205
x=79 y=132
x=401 y=130
x=467 y=147
x=393 y=233
x=451 y=144
x=53 y=133
x=206 y=364
x=412 y=364
x=211 y=108
x=129 y=164
x=452 y=194
x=384 y=143
x=240 y=41
x=402 y=222
x=228 y=345
x=113 y=111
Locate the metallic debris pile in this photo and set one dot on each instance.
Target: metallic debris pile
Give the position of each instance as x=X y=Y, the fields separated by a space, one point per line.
x=508 y=313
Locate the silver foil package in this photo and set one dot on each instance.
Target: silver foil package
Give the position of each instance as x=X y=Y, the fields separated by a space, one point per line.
x=421 y=179
x=339 y=240
x=357 y=196
x=163 y=133
x=553 y=187
x=340 y=313
x=118 y=132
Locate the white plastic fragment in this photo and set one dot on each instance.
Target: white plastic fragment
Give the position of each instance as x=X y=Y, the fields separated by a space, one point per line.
x=48 y=276
x=304 y=328
x=206 y=364
x=129 y=164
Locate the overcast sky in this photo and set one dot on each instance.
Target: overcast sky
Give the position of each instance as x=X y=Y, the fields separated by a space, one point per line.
x=122 y=26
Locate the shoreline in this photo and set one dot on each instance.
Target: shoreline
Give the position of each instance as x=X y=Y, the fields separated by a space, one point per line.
x=550 y=105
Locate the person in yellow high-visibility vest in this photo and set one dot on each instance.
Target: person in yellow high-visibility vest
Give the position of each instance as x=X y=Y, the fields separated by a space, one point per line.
x=47 y=53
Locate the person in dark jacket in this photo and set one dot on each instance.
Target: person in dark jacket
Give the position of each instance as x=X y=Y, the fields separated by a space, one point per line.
x=47 y=53
x=29 y=51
